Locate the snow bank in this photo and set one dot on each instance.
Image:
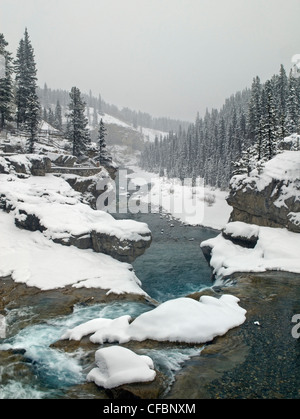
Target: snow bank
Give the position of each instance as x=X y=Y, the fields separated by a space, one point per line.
x=283 y=167
x=60 y=211
x=239 y=229
x=178 y=320
x=117 y=365
x=276 y=249
x=32 y=259
x=197 y=205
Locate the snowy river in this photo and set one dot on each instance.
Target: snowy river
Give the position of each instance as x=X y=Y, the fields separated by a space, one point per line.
x=173 y=267
x=260 y=359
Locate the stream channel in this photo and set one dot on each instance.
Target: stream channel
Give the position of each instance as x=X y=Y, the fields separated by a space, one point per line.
x=172 y=267
x=260 y=359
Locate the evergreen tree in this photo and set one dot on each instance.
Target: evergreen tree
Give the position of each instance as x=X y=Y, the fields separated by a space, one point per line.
x=32 y=121
x=270 y=127
x=58 y=117
x=104 y=156
x=95 y=117
x=45 y=115
x=6 y=85
x=51 y=118
x=293 y=105
x=26 y=82
x=77 y=130
x=282 y=97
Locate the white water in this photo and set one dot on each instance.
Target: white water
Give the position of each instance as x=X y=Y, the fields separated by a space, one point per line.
x=54 y=370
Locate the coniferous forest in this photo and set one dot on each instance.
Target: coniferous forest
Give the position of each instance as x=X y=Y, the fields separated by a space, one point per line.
x=235 y=139
x=240 y=136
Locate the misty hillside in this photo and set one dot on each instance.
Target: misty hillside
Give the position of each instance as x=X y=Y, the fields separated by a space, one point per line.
x=124 y=126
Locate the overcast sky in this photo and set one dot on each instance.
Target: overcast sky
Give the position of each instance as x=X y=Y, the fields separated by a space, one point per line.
x=166 y=57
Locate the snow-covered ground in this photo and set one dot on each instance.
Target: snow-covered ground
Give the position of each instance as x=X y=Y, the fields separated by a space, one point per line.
x=34 y=259
x=58 y=207
x=199 y=205
x=148 y=134
x=277 y=249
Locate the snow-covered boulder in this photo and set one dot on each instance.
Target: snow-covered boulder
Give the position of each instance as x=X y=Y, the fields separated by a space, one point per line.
x=27 y=164
x=51 y=206
x=62 y=160
x=178 y=320
x=245 y=235
x=271 y=198
x=117 y=365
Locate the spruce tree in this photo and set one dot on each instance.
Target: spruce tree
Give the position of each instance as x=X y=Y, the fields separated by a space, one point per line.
x=95 y=117
x=104 y=156
x=58 y=117
x=77 y=130
x=26 y=83
x=293 y=105
x=282 y=97
x=32 y=121
x=6 y=84
x=270 y=127
x=254 y=113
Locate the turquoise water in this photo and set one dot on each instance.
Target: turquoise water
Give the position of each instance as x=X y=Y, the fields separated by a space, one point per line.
x=172 y=267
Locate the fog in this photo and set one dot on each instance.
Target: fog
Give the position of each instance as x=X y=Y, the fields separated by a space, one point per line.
x=165 y=57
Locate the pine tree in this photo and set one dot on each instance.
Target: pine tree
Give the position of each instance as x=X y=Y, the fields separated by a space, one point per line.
x=51 y=118
x=26 y=84
x=58 y=117
x=104 y=156
x=32 y=121
x=254 y=113
x=77 y=130
x=282 y=97
x=95 y=117
x=270 y=127
x=292 y=115
x=6 y=84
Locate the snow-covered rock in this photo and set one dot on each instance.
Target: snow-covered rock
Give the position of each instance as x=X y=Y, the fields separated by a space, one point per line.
x=271 y=198
x=51 y=206
x=178 y=320
x=32 y=259
x=117 y=365
x=28 y=164
x=245 y=235
x=276 y=249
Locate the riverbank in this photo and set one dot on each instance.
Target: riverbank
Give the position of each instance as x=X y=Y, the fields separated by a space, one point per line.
x=258 y=360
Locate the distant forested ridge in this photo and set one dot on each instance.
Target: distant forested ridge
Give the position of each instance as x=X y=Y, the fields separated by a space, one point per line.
x=49 y=97
x=244 y=133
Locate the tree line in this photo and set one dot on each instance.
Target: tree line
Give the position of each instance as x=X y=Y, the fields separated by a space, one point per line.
x=96 y=105
x=20 y=104
x=240 y=136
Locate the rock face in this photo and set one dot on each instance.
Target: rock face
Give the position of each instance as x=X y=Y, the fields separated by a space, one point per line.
x=124 y=250
x=91 y=187
x=272 y=198
x=25 y=164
